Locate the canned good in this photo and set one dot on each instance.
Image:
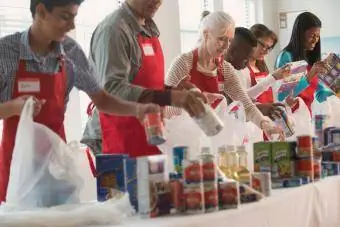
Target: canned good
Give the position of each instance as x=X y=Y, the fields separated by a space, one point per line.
x=176 y=188
x=192 y=171
x=208 y=167
x=248 y=198
x=305 y=167
x=320 y=122
x=285 y=123
x=327 y=156
x=209 y=122
x=261 y=182
x=154 y=129
x=179 y=154
x=335 y=136
x=193 y=197
x=277 y=184
x=327 y=135
x=210 y=197
x=330 y=168
x=294 y=182
x=304 y=146
x=317 y=168
x=228 y=195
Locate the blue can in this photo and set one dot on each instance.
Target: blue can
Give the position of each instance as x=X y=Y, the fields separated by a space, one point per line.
x=293 y=182
x=179 y=153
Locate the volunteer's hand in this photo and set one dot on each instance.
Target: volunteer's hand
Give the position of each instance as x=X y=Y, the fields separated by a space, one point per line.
x=270 y=129
x=191 y=101
x=282 y=72
x=17 y=104
x=318 y=68
x=291 y=102
x=143 y=109
x=271 y=110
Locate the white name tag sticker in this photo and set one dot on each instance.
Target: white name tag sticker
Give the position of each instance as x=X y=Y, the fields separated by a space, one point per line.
x=28 y=85
x=148 y=49
x=221 y=86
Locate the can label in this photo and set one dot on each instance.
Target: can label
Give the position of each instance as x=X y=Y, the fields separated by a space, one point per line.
x=192 y=171
x=210 y=197
x=154 y=129
x=305 y=167
x=228 y=195
x=193 y=197
x=208 y=167
x=262 y=183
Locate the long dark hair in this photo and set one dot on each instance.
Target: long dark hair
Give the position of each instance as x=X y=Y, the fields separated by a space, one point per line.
x=304 y=22
x=262 y=31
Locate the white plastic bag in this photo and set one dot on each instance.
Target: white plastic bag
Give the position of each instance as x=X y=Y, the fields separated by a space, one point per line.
x=301 y=121
x=181 y=130
x=334 y=105
x=42 y=170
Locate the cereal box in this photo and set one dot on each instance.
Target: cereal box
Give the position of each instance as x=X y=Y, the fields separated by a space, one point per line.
x=282 y=164
x=262 y=157
x=154 y=195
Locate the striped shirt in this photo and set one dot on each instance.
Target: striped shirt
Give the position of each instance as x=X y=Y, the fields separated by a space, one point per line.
x=182 y=66
x=16 y=46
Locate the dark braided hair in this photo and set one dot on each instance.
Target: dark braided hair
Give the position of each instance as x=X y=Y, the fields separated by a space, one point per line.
x=304 y=22
x=204 y=14
x=262 y=31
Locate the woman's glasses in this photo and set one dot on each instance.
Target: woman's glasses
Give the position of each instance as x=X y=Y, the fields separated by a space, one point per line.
x=264 y=46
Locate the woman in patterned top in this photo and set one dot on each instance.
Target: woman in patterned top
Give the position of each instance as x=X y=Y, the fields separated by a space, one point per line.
x=203 y=69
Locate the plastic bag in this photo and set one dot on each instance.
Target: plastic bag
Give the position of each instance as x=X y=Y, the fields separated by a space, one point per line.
x=333 y=103
x=110 y=212
x=42 y=170
x=301 y=121
x=181 y=130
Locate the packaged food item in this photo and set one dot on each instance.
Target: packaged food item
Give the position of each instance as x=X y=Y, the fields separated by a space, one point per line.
x=154 y=195
x=262 y=157
x=305 y=167
x=192 y=169
x=317 y=168
x=321 y=122
x=285 y=123
x=293 y=182
x=248 y=198
x=154 y=129
x=277 y=183
x=209 y=122
x=210 y=197
x=194 y=198
x=333 y=70
x=176 y=188
x=327 y=136
x=229 y=194
x=327 y=156
x=335 y=136
x=282 y=163
x=304 y=146
x=208 y=165
x=330 y=168
x=111 y=175
x=179 y=154
x=261 y=182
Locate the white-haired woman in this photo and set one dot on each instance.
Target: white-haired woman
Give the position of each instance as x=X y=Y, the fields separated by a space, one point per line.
x=205 y=70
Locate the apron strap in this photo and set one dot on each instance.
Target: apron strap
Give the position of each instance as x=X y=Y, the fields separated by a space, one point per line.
x=91 y=162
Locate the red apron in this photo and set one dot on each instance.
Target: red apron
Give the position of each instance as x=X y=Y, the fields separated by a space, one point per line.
x=126 y=135
x=308 y=94
x=53 y=90
x=210 y=84
x=267 y=96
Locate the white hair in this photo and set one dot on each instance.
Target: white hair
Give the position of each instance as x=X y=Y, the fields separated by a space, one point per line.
x=215 y=21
